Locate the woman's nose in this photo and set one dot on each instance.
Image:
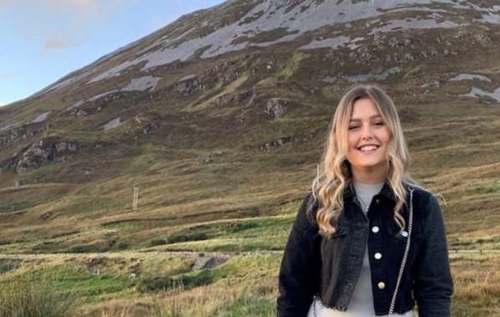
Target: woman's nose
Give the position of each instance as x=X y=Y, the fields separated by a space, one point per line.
x=366 y=131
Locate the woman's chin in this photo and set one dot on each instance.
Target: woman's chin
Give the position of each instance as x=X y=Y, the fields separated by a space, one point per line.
x=370 y=163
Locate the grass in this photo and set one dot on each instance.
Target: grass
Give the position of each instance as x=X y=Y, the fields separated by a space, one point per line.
x=291 y=66
x=491 y=187
x=238 y=286
x=477 y=287
x=7 y=265
x=34 y=295
x=244 y=285
x=204 y=103
x=250 y=227
x=243 y=302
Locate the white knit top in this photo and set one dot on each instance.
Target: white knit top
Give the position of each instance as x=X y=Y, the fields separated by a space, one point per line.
x=361 y=304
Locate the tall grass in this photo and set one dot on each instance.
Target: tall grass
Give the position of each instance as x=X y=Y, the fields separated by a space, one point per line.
x=210 y=300
x=33 y=295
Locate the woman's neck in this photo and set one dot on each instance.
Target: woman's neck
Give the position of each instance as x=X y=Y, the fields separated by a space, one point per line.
x=369 y=176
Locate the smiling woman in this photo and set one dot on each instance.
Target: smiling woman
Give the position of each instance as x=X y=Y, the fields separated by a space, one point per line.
x=367 y=240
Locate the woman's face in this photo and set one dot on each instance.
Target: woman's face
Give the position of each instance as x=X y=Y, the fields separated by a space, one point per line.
x=368 y=137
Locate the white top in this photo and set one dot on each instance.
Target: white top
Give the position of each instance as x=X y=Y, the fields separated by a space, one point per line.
x=361 y=304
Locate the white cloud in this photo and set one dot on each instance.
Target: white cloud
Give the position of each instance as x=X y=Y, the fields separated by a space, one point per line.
x=59 y=24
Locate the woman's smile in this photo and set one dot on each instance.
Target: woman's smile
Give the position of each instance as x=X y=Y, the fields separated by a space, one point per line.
x=367 y=149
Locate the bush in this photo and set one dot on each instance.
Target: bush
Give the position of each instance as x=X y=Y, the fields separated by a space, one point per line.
x=7 y=265
x=158 y=241
x=122 y=245
x=158 y=283
x=33 y=295
x=187 y=236
x=82 y=248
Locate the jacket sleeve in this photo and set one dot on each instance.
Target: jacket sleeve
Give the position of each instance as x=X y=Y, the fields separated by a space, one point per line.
x=299 y=274
x=433 y=281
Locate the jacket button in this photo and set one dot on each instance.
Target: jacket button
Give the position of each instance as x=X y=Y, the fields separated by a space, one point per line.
x=377 y=200
x=404 y=233
x=381 y=285
x=377 y=256
x=375 y=229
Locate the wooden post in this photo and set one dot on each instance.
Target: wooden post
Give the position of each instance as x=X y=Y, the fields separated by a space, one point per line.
x=17 y=184
x=135 y=198
x=46 y=128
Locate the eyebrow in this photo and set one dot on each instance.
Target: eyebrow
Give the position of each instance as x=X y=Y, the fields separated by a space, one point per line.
x=372 y=117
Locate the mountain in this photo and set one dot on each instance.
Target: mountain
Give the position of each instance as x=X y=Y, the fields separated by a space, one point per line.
x=220 y=118
x=204 y=136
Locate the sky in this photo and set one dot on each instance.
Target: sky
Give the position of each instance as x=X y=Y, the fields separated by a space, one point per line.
x=44 y=40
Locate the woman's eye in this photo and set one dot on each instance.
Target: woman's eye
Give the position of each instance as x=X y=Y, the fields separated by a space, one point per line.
x=353 y=127
x=379 y=123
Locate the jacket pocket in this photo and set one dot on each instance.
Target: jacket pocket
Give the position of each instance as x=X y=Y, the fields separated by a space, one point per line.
x=335 y=242
x=342 y=230
x=334 y=251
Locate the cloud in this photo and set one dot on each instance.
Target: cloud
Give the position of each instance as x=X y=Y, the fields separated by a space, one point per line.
x=7 y=76
x=78 y=7
x=83 y=9
x=57 y=43
x=74 y=4
x=59 y=24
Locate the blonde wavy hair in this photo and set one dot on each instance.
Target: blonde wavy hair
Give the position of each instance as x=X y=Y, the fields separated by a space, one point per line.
x=334 y=171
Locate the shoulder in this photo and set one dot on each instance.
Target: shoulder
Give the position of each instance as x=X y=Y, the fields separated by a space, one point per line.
x=424 y=200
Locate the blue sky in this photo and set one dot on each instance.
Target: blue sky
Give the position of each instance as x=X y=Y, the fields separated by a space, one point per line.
x=43 y=40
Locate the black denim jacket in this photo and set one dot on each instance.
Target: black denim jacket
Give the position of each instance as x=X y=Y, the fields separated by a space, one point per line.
x=329 y=268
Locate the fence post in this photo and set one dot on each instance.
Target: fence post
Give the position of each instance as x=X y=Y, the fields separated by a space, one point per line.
x=135 y=201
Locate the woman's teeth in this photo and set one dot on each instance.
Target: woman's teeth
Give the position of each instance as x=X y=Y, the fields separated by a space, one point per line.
x=368 y=148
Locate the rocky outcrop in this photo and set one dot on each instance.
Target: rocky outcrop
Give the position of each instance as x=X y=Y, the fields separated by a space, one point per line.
x=210 y=157
x=188 y=85
x=206 y=261
x=275 y=143
x=14 y=134
x=113 y=123
x=146 y=122
x=40 y=153
x=97 y=103
x=276 y=107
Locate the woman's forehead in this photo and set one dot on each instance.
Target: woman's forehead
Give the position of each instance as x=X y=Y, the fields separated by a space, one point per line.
x=364 y=109
x=375 y=116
